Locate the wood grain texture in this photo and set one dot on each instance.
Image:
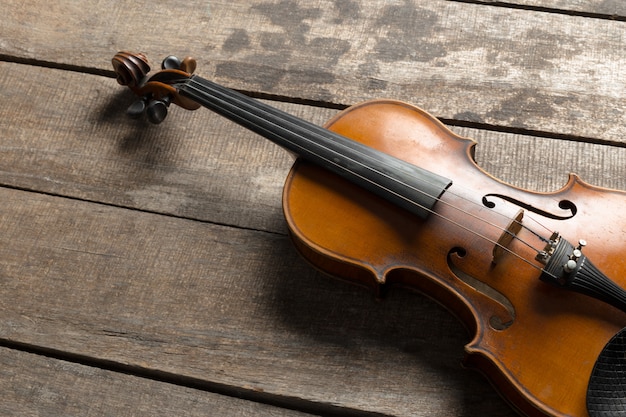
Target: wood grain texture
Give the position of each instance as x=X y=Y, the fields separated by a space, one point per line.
x=613 y=8
x=200 y=166
x=508 y=67
x=163 y=249
x=190 y=166
x=543 y=164
x=228 y=306
x=33 y=385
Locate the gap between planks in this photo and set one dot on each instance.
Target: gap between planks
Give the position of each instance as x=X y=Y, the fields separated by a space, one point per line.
x=47 y=385
x=606 y=13
x=552 y=73
x=295 y=404
x=340 y=106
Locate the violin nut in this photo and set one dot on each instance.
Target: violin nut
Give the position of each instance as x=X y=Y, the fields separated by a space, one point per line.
x=130 y=68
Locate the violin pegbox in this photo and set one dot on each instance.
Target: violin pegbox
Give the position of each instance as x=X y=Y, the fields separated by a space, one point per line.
x=155 y=92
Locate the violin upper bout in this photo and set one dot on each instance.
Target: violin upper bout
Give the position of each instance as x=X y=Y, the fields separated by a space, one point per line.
x=346 y=230
x=406 y=132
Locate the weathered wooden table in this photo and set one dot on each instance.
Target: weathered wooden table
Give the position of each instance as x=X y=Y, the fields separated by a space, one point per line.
x=146 y=270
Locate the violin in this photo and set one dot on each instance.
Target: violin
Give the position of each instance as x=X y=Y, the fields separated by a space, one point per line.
x=384 y=194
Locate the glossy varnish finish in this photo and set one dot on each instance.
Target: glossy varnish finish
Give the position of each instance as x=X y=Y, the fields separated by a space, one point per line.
x=478 y=257
x=537 y=343
x=162 y=251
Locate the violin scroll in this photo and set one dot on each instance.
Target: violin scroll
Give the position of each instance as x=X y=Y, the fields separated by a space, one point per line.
x=157 y=92
x=130 y=68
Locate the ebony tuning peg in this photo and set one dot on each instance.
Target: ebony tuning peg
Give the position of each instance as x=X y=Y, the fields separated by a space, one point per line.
x=156 y=110
x=171 y=62
x=155 y=98
x=136 y=109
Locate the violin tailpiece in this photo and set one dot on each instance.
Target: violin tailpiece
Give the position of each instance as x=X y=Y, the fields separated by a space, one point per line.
x=568 y=268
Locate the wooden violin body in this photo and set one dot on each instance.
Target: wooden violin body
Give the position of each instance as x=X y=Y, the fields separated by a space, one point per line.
x=536 y=343
x=475 y=253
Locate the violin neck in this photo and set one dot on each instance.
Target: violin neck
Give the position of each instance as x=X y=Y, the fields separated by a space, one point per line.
x=397 y=181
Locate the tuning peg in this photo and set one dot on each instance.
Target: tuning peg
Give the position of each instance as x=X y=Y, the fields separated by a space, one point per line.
x=171 y=62
x=186 y=65
x=136 y=109
x=156 y=110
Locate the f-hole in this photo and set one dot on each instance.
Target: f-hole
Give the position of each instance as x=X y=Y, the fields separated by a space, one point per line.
x=505 y=312
x=563 y=205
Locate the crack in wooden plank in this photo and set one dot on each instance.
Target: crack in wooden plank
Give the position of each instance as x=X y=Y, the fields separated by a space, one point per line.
x=246 y=393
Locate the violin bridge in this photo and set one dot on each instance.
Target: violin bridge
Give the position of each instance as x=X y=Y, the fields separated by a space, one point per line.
x=507 y=236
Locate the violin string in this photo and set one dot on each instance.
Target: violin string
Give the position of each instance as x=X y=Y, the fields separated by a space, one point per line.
x=313 y=131
x=201 y=87
x=278 y=112
x=536 y=234
x=320 y=131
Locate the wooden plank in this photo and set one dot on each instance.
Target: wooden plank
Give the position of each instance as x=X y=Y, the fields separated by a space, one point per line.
x=237 y=308
x=193 y=165
x=201 y=166
x=33 y=385
x=232 y=307
x=543 y=164
x=514 y=68
x=613 y=8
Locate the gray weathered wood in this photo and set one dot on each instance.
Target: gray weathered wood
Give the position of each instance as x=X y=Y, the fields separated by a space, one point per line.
x=195 y=278
x=613 y=8
x=33 y=385
x=233 y=307
x=542 y=164
x=193 y=165
x=508 y=67
x=198 y=165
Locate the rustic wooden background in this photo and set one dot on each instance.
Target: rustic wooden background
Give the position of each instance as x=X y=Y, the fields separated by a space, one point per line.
x=146 y=270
